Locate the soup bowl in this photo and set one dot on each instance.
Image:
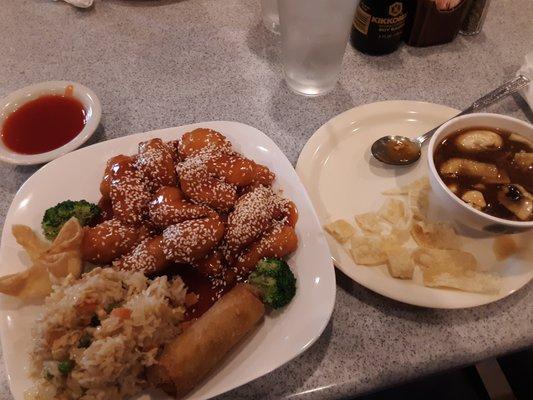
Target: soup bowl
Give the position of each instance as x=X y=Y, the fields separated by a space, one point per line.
x=459 y=210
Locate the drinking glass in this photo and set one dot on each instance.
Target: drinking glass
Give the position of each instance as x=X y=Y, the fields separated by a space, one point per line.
x=314 y=34
x=269 y=12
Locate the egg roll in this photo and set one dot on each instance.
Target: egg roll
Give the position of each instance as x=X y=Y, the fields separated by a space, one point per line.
x=188 y=359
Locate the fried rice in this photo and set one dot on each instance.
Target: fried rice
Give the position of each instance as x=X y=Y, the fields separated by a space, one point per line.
x=97 y=334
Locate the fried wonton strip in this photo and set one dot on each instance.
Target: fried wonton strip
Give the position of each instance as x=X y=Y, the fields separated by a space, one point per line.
x=437 y=235
x=419 y=203
x=421 y=183
x=394 y=212
x=435 y=261
x=370 y=223
x=367 y=250
x=469 y=281
x=341 y=230
x=504 y=247
x=399 y=262
x=454 y=269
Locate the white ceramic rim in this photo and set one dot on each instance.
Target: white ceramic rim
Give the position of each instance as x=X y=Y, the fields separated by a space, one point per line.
x=15 y=99
x=457 y=200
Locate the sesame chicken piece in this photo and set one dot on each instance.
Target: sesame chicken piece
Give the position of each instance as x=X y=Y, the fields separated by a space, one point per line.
x=170 y=207
x=110 y=240
x=278 y=242
x=156 y=164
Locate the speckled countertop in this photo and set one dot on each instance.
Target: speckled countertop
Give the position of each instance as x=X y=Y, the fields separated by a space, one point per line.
x=157 y=64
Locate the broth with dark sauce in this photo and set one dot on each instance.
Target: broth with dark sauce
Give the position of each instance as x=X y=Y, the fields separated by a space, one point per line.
x=503 y=158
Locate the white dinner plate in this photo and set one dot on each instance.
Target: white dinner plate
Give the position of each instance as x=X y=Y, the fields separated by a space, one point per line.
x=282 y=336
x=343 y=180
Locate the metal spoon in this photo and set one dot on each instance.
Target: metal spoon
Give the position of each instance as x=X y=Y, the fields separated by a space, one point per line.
x=400 y=150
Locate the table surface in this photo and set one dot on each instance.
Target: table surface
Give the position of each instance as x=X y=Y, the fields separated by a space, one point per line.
x=157 y=64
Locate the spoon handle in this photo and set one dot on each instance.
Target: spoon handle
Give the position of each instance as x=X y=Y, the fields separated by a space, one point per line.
x=499 y=93
x=496 y=95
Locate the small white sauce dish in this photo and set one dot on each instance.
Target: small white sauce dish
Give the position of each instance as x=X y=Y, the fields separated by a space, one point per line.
x=460 y=211
x=14 y=100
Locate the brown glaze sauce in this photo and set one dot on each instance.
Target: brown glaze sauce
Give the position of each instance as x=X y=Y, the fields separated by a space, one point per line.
x=208 y=290
x=401 y=150
x=43 y=124
x=502 y=158
x=106 y=210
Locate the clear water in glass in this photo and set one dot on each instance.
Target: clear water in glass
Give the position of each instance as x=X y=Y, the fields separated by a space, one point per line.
x=314 y=34
x=270 y=15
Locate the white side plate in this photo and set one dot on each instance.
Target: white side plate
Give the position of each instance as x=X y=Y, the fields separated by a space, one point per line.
x=281 y=337
x=343 y=180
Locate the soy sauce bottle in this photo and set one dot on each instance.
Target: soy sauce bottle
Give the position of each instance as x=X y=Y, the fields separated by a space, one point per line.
x=378 y=26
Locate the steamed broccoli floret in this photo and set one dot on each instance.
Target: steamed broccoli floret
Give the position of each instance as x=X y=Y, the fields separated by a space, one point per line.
x=275 y=280
x=55 y=217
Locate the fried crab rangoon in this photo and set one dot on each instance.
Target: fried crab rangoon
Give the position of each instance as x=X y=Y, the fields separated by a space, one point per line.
x=50 y=261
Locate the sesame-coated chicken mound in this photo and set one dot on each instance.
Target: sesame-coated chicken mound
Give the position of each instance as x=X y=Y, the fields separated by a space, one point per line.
x=195 y=201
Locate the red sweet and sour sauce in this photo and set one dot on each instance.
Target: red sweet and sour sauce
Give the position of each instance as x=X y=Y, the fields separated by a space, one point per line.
x=43 y=124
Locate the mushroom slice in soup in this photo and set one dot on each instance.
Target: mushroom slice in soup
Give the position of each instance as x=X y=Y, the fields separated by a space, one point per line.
x=461 y=166
x=517 y=200
x=478 y=140
x=454 y=187
x=523 y=161
x=475 y=199
x=520 y=139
